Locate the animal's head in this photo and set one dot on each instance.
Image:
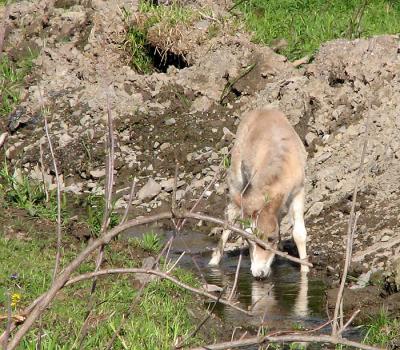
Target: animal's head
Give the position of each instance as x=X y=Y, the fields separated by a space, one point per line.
x=265 y=228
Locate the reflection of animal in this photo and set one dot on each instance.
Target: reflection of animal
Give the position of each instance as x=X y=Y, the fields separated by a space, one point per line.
x=265 y=179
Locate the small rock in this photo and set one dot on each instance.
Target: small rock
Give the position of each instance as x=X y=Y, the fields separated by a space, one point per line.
x=156 y=144
x=170 y=121
x=97 y=174
x=315 y=209
x=385 y=238
x=310 y=137
x=147 y=264
x=150 y=190
x=164 y=146
x=180 y=194
x=363 y=280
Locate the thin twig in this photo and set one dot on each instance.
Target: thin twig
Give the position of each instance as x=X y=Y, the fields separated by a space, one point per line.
x=355 y=313
x=42 y=171
x=160 y=274
x=236 y=275
x=136 y=298
x=59 y=237
x=215 y=177
x=229 y=85
x=3 y=28
x=350 y=233
x=9 y=319
x=106 y=214
x=129 y=202
x=201 y=324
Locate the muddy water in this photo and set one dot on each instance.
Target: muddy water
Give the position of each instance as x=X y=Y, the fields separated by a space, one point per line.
x=286 y=300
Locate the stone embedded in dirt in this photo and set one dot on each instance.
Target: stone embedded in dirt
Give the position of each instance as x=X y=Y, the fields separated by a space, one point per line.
x=201 y=104
x=98 y=173
x=315 y=209
x=385 y=238
x=164 y=146
x=309 y=138
x=156 y=144
x=170 y=121
x=168 y=185
x=149 y=190
x=64 y=140
x=180 y=194
x=147 y=264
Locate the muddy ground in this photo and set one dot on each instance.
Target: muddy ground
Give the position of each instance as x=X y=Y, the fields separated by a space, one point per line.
x=348 y=93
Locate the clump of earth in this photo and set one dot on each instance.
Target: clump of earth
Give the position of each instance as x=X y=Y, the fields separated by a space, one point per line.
x=188 y=115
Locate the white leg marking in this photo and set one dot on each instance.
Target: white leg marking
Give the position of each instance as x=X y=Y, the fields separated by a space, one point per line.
x=299 y=229
x=232 y=212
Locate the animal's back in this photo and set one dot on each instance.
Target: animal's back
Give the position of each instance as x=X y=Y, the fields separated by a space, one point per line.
x=268 y=157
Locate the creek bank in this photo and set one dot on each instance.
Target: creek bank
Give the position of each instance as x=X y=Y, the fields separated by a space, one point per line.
x=348 y=92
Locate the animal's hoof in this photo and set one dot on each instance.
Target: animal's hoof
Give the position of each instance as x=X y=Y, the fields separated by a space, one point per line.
x=213 y=262
x=304 y=269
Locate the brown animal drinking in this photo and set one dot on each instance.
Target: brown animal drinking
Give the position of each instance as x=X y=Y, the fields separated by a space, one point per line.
x=266 y=179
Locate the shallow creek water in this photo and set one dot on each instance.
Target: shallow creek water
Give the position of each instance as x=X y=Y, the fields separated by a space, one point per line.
x=286 y=300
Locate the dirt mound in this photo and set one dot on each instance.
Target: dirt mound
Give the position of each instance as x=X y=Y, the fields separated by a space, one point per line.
x=349 y=92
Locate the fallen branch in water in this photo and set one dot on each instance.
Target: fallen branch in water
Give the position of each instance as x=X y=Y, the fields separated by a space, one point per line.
x=286 y=338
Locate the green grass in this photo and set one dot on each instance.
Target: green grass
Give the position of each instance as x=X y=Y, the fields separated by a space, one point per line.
x=306 y=24
x=382 y=331
x=11 y=80
x=150 y=242
x=94 y=205
x=24 y=193
x=160 y=317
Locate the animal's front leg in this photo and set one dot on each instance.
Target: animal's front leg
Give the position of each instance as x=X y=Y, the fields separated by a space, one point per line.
x=299 y=229
x=232 y=213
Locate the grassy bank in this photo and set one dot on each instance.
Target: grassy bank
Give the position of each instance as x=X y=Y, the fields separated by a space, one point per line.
x=306 y=24
x=28 y=249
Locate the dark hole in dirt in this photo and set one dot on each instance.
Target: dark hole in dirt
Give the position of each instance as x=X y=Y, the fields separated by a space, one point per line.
x=335 y=81
x=164 y=59
x=65 y=4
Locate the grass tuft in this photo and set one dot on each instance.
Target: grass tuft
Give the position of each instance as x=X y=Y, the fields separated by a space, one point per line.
x=150 y=242
x=11 y=79
x=17 y=190
x=382 y=331
x=306 y=24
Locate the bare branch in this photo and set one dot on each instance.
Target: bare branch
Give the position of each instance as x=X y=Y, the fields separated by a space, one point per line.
x=136 y=298
x=58 y=254
x=9 y=319
x=236 y=276
x=106 y=214
x=129 y=202
x=160 y=274
x=350 y=234
x=3 y=28
x=46 y=191
x=201 y=324
x=286 y=338
x=243 y=234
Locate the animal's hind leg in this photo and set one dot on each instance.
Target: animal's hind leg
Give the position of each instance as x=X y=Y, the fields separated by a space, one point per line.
x=232 y=212
x=299 y=229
